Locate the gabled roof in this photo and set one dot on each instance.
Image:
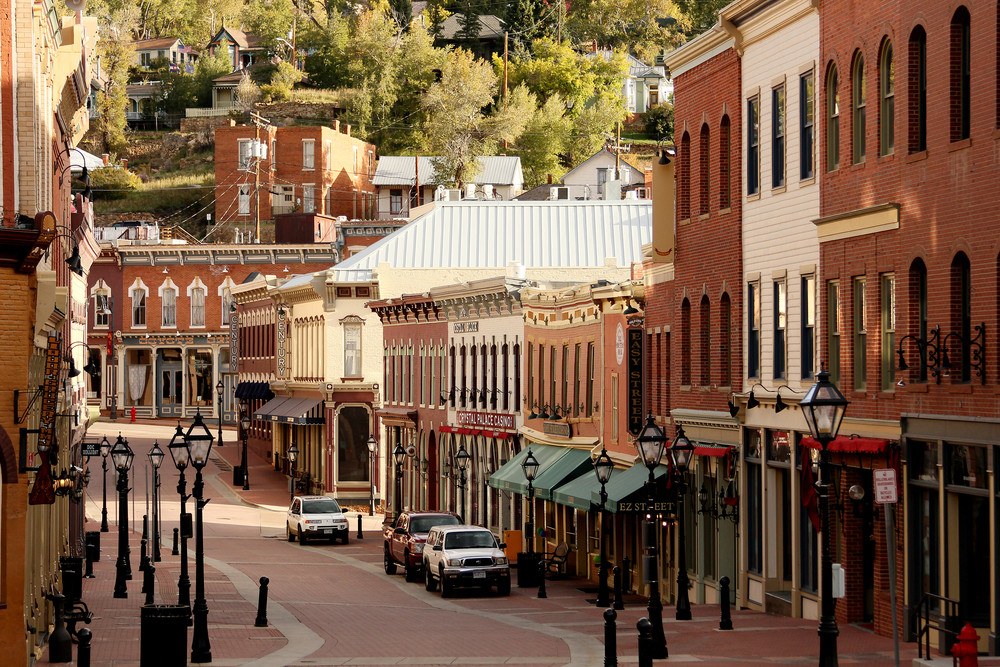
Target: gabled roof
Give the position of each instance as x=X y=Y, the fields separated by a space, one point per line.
x=627 y=158
x=636 y=68
x=490 y=27
x=158 y=43
x=473 y=234
x=241 y=39
x=402 y=170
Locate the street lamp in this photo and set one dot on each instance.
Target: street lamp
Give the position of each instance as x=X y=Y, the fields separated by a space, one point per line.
x=680 y=453
x=398 y=454
x=245 y=427
x=121 y=457
x=105 y=450
x=530 y=468
x=603 y=466
x=155 y=459
x=219 y=388
x=181 y=456
x=199 y=443
x=462 y=459
x=824 y=407
x=293 y=454
x=650 y=444
x=372 y=445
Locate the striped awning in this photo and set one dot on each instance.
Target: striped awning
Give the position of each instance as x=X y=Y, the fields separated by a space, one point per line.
x=299 y=411
x=254 y=391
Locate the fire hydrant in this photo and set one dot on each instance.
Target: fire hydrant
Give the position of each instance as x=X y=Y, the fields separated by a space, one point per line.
x=132 y=412
x=966 y=649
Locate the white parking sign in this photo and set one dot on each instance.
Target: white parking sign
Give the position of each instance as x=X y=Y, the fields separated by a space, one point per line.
x=886 y=491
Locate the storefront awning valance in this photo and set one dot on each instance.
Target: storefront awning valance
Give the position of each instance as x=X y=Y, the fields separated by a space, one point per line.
x=510 y=476
x=711 y=450
x=627 y=485
x=263 y=413
x=404 y=418
x=578 y=492
x=303 y=411
x=571 y=464
x=499 y=435
x=850 y=445
x=254 y=391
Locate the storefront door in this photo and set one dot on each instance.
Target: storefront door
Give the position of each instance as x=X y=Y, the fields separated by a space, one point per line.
x=169 y=383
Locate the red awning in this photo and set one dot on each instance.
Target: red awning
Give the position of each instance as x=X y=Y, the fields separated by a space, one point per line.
x=499 y=435
x=850 y=445
x=711 y=450
x=448 y=429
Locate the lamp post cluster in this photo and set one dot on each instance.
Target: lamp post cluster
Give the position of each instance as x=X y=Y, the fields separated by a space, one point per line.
x=121 y=457
x=293 y=455
x=155 y=459
x=105 y=450
x=245 y=434
x=603 y=466
x=530 y=468
x=462 y=459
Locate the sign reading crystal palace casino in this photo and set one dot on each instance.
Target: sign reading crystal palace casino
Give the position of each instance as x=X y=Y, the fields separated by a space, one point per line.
x=487 y=420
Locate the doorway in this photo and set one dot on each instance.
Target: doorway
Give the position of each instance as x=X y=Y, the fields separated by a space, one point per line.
x=170 y=383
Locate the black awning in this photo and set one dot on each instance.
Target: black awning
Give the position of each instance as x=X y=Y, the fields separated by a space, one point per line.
x=254 y=391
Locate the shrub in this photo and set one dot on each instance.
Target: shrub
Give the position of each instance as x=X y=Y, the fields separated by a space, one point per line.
x=113 y=182
x=659 y=122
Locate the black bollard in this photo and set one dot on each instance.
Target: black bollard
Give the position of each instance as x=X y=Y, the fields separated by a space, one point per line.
x=60 y=641
x=541 y=579
x=174 y=551
x=610 y=638
x=361 y=535
x=83 y=638
x=619 y=600
x=727 y=621
x=89 y=573
x=645 y=642
x=148 y=583
x=626 y=574
x=143 y=558
x=261 y=620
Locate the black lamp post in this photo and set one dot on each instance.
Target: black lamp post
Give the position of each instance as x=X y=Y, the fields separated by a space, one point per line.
x=199 y=443
x=155 y=459
x=293 y=455
x=680 y=454
x=245 y=428
x=179 y=453
x=650 y=443
x=398 y=454
x=462 y=459
x=219 y=388
x=603 y=466
x=105 y=450
x=824 y=407
x=372 y=446
x=530 y=467
x=121 y=456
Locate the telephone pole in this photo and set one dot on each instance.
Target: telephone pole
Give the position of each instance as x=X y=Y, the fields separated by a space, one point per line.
x=260 y=151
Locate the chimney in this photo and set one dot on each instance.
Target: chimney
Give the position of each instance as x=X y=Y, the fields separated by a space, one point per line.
x=336 y=126
x=594 y=45
x=124 y=163
x=550 y=179
x=104 y=158
x=347 y=129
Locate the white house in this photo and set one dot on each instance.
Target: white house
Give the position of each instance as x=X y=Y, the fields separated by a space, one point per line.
x=645 y=86
x=180 y=57
x=588 y=179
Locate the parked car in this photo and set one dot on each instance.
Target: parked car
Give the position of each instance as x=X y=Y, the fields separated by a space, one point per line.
x=405 y=537
x=316 y=517
x=457 y=556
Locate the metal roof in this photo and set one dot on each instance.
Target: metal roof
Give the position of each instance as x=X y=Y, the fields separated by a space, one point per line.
x=474 y=234
x=400 y=170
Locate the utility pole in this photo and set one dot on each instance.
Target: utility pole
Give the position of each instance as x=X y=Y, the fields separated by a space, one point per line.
x=259 y=151
x=618 y=151
x=505 y=79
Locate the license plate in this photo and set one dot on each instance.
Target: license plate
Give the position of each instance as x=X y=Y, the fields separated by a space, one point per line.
x=478 y=575
x=327 y=530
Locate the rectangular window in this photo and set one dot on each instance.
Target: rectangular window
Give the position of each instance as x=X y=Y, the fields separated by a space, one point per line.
x=198 y=307
x=753 y=146
x=860 y=316
x=541 y=377
x=888 y=289
x=808 y=332
x=591 y=361
x=564 y=399
x=753 y=329
x=169 y=307
x=244 y=154
x=807 y=112
x=833 y=329
x=274 y=156
x=226 y=302
x=395 y=202
x=308 y=198
x=780 y=327
x=244 y=200
x=552 y=378
x=371 y=164
x=576 y=381
x=352 y=349
x=102 y=314
x=755 y=525
x=778 y=136
x=308 y=154
x=138 y=308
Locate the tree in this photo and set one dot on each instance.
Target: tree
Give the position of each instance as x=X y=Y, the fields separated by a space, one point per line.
x=659 y=122
x=402 y=11
x=327 y=47
x=593 y=127
x=697 y=16
x=524 y=20
x=283 y=79
x=469 y=21
x=247 y=94
x=208 y=68
x=116 y=53
x=270 y=21
x=625 y=25
x=545 y=138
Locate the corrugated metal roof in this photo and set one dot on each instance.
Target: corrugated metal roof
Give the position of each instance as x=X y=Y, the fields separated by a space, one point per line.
x=401 y=170
x=472 y=234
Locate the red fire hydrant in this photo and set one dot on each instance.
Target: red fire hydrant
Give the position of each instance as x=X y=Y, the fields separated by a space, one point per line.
x=966 y=649
x=132 y=412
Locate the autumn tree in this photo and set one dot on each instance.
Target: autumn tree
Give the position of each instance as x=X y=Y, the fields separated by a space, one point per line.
x=116 y=53
x=545 y=139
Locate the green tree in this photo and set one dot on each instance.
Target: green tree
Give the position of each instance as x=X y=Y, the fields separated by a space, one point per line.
x=402 y=11
x=206 y=70
x=283 y=79
x=593 y=127
x=116 y=53
x=697 y=16
x=545 y=138
x=327 y=47
x=524 y=20
x=659 y=122
x=625 y=25
x=469 y=21
x=270 y=21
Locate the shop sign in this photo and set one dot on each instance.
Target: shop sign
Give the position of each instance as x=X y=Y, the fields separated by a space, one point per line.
x=234 y=342
x=557 y=428
x=645 y=506
x=490 y=420
x=465 y=327
x=174 y=339
x=91 y=448
x=42 y=493
x=281 y=342
x=635 y=388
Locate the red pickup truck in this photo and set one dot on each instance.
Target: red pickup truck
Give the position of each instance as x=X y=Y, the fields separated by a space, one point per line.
x=405 y=537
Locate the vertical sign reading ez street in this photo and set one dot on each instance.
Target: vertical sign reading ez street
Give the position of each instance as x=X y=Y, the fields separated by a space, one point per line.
x=635 y=389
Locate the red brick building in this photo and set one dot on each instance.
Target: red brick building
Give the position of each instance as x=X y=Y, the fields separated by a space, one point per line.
x=307 y=169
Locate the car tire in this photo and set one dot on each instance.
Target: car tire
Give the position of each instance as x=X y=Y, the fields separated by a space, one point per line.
x=387 y=562
x=503 y=588
x=346 y=538
x=429 y=583
x=409 y=573
x=445 y=586
x=303 y=540
x=289 y=535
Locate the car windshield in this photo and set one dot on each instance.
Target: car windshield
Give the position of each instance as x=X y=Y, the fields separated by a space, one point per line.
x=469 y=540
x=328 y=506
x=422 y=524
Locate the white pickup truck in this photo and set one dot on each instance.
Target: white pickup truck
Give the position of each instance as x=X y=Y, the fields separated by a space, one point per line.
x=457 y=556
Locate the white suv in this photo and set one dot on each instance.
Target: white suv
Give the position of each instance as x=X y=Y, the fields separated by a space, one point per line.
x=464 y=556
x=316 y=517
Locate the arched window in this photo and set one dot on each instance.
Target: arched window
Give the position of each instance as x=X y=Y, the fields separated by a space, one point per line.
x=725 y=166
x=686 y=343
x=961 y=316
x=704 y=169
x=725 y=338
x=832 y=119
x=705 y=345
x=858 y=109
x=917 y=91
x=684 y=182
x=961 y=73
x=887 y=93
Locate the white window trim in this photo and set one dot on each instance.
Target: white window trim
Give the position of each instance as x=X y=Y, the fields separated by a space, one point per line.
x=141 y=286
x=166 y=284
x=239 y=200
x=312 y=143
x=100 y=289
x=196 y=284
x=221 y=292
x=243 y=162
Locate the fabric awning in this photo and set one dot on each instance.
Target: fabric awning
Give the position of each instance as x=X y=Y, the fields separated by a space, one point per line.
x=627 y=485
x=264 y=412
x=299 y=411
x=510 y=476
x=850 y=445
x=578 y=492
x=571 y=464
x=254 y=391
x=499 y=435
x=404 y=418
x=711 y=450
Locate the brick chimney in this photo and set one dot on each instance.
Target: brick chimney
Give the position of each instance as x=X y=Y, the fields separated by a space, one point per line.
x=594 y=45
x=124 y=163
x=105 y=158
x=550 y=179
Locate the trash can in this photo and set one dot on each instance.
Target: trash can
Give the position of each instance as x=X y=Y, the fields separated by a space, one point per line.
x=163 y=640
x=237 y=475
x=527 y=569
x=72 y=577
x=93 y=544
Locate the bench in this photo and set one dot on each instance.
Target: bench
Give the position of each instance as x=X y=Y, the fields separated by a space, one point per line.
x=555 y=561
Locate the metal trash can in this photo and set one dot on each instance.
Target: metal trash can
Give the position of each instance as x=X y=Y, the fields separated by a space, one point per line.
x=93 y=545
x=72 y=577
x=527 y=569
x=237 y=475
x=163 y=640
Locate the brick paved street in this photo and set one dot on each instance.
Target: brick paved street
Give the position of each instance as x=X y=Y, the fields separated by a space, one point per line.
x=333 y=604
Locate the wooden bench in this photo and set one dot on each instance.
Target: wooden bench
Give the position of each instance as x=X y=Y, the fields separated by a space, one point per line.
x=555 y=561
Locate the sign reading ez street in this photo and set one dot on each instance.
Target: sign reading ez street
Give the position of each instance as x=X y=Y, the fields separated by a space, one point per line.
x=658 y=506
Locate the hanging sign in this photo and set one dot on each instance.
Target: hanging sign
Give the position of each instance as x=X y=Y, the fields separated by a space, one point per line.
x=42 y=493
x=635 y=388
x=281 y=342
x=234 y=342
